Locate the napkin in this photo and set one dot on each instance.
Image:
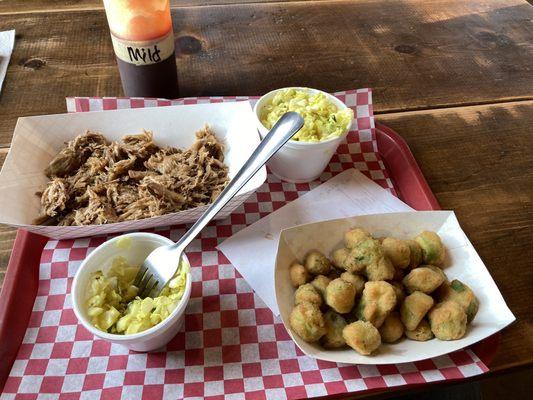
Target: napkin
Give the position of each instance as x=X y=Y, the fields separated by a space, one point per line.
x=7 y=40
x=253 y=250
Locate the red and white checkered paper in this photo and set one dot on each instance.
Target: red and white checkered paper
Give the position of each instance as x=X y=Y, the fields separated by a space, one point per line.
x=231 y=345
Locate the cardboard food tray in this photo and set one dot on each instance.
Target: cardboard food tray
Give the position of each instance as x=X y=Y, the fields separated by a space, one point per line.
x=21 y=281
x=462 y=263
x=37 y=139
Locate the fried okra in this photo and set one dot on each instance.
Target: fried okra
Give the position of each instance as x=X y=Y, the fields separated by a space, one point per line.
x=335 y=323
x=367 y=257
x=392 y=328
x=307 y=321
x=448 y=321
x=397 y=251
x=425 y=278
x=366 y=252
x=357 y=281
x=415 y=253
x=336 y=307
x=438 y=270
x=299 y=275
x=353 y=237
x=414 y=308
x=339 y=256
x=381 y=270
x=432 y=249
x=376 y=303
x=307 y=293
x=320 y=283
x=362 y=336
x=340 y=295
x=317 y=264
x=460 y=293
x=421 y=333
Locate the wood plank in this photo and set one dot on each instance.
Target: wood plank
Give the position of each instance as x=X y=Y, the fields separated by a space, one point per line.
x=478 y=161
x=414 y=54
x=33 y=6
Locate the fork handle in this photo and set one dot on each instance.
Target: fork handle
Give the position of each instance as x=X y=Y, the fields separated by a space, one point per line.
x=283 y=130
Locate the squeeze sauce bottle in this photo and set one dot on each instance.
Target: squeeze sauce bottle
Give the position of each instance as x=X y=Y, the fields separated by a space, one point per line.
x=143 y=40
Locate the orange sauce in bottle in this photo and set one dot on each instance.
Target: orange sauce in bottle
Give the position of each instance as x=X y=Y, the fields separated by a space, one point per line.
x=143 y=41
x=138 y=19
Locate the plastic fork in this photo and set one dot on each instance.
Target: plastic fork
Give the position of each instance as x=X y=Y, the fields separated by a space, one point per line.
x=163 y=263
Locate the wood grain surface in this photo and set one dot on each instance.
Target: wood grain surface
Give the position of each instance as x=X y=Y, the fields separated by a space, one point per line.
x=47 y=6
x=454 y=78
x=414 y=56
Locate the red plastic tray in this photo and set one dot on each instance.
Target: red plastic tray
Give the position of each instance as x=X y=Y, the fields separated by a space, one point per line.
x=22 y=277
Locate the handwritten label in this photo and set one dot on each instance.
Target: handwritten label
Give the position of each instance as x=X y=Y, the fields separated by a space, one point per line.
x=144 y=52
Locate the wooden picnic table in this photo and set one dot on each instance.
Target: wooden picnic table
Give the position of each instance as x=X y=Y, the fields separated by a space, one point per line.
x=453 y=77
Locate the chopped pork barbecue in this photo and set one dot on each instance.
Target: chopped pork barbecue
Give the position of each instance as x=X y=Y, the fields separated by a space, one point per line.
x=95 y=181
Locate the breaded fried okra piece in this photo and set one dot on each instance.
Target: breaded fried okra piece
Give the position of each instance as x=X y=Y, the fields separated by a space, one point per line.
x=460 y=293
x=317 y=263
x=415 y=253
x=414 y=308
x=421 y=333
x=425 y=278
x=382 y=270
x=367 y=251
x=333 y=338
x=392 y=329
x=368 y=257
x=397 y=251
x=448 y=321
x=340 y=295
x=307 y=321
x=339 y=256
x=362 y=336
x=299 y=275
x=433 y=252
x=307 y=293
x=357 y=281
x=376 y=303
x=320 y=283
x=354 y=236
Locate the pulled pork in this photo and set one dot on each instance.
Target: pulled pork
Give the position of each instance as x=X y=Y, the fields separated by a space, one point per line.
x=94 y=181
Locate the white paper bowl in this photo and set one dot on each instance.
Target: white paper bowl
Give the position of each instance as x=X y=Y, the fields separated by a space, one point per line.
x=462 y=263
x=140 y=245
x=300 y=162
x=38 y=139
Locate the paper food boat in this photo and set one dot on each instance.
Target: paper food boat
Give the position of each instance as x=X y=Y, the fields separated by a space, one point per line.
x=37 y=140
x=462 y=263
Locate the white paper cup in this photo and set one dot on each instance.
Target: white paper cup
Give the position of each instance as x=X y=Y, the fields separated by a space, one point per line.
x=134 y=251
x=300 y=162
